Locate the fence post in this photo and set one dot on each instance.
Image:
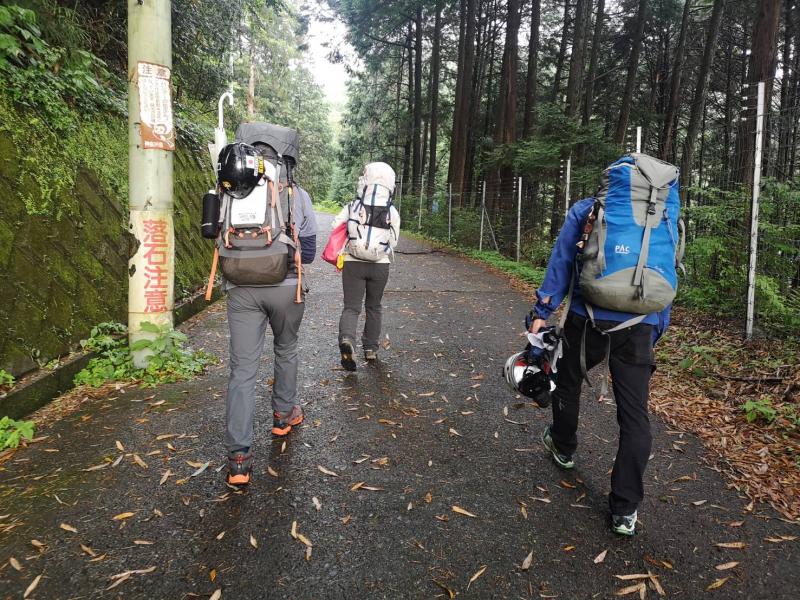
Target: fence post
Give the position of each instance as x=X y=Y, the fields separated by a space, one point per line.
x=419 y=212
x=751 y=275
x=566 y=187
x=483 y=211
x=449 y=211
x=519 y=213
x=400 y=196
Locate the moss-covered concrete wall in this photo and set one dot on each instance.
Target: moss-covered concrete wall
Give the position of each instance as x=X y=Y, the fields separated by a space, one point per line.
x=60 y=274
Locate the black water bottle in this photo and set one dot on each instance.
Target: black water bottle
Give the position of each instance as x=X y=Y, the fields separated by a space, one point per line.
x=209 y=227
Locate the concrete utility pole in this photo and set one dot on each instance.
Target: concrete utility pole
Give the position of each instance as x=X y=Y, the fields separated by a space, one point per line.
x=151 y=142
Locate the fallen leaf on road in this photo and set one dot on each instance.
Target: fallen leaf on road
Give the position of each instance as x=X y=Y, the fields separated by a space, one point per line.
x=327 y=471
x=88 y=550
x=699 y=502
x=137 y=459
x=68 y=527
x=357 y=486
x=632 y=589
x=14 y=563
x=304 y=539
x=293 y=531
x=568 y=548
x=120 y=447
x=443 y=518
x=123 y=516
x=731 y=545
x=97 y=467
x=200 y=469
x=32 y=586
x=461 y=511
x=545 y=500
x=633 y=576
x=428 y=498
x=735 y=523
x=221 y=535
x=454 y=432
x=345 y=520
x=39 y=545
x=272 y=471
x=165 y=476
x=143 y=542
x=216 y=595
x=253 y=542
x=317 y=503
x=193 y=464
x=780 y=539
x=656 y=584
x=600 y=557
x=717 y=584
x=212 y=575
x=567 y=484
x=450 y=592
x=477 y=574
x=726 y=566
x=526 y=564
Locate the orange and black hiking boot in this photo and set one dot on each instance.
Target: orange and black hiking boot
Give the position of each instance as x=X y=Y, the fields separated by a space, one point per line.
x=240 y=466
x=282 y=424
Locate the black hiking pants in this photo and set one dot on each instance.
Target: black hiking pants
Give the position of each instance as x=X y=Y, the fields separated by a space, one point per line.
x=631 y=362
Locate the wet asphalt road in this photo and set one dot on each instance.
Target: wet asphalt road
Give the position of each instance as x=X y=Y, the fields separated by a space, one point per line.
x=431 y=426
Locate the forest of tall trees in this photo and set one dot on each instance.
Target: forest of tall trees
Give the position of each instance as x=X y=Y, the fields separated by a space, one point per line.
x=492 y=90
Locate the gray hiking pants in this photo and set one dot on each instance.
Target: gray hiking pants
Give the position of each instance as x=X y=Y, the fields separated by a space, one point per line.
x=250 y=309
x=360 y=279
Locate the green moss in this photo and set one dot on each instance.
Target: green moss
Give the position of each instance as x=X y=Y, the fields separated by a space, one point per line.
x=48 y=161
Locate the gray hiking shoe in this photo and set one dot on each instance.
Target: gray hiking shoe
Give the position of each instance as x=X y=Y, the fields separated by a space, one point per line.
x=370 y=354
x=240 y=465
x=562 y=460
x=624 y=524
x=347 y=351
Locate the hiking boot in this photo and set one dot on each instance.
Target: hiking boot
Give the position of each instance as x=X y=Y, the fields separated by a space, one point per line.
x=282 y=424
x=370 y=354
x=240 y=466
x=347 y=351
x=624 y=524
x=562 y=460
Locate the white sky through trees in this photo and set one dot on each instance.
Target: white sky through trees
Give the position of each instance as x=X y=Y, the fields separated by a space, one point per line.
x=323 y=36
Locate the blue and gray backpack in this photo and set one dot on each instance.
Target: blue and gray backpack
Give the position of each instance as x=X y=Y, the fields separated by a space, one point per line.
x=633 y=241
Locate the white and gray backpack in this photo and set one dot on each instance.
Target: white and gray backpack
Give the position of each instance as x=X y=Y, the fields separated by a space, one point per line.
x=369 y=220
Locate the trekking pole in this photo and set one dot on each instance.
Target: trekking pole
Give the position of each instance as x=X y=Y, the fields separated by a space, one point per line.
x=210 y=286
x=483 y=211
x=639 y=138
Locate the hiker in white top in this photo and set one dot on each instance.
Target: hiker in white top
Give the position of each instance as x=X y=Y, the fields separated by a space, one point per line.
x=373 y=229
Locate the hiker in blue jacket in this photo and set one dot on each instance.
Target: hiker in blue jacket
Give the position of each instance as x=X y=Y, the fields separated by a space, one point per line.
x=631 y=361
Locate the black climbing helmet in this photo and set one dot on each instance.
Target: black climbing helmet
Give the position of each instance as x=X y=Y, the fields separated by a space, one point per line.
x=240 y=168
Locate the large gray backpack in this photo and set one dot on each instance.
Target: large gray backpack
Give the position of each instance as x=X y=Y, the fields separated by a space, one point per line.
x=257 y=244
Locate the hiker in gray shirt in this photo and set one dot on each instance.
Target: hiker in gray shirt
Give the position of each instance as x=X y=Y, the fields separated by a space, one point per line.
x=262 y=267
